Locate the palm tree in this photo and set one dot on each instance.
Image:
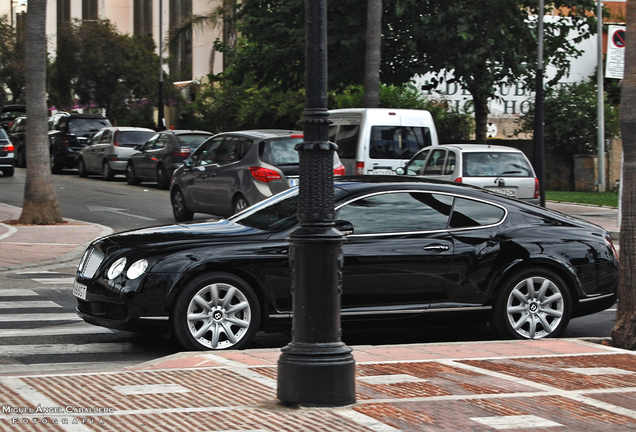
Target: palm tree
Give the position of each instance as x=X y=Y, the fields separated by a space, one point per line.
x=40 y=204
x=372 y=56
x=624 y=331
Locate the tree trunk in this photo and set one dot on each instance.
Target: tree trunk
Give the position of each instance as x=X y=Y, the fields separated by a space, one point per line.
x=481 y=117
x=40 y=204
x=624 y=331
x=372 y=56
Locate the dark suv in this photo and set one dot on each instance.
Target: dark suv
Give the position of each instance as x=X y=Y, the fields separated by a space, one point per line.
x=17 y=135
x=69 y=134
x=10 y=112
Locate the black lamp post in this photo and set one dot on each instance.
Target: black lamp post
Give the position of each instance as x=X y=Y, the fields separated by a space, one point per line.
x=160 y=112
x=316 y=368
x=539 y=137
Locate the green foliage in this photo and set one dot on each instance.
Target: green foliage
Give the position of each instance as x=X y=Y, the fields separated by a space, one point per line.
x=570 y=114
x=11 y=64
x=452 y=125
x=607 y=199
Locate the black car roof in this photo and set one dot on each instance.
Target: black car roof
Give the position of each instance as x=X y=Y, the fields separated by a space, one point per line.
x=13 y=108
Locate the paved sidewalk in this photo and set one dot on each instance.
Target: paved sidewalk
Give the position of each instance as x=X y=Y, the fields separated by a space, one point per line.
x=547 y=385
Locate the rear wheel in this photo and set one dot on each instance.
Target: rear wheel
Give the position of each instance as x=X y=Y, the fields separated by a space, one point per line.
x=163 y=181
x=8 y=172
x=534 y=304
x=131 y=177
x=216 y=311
x=240 y=204
x=56 y=167
x=180 y=210
x=20 y=161
x=81 y=168
x=107 y=173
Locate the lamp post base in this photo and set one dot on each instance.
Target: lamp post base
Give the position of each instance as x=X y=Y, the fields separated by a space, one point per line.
x=316 y=375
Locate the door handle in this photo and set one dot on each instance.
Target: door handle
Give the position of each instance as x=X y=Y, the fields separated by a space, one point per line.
x=436 y=248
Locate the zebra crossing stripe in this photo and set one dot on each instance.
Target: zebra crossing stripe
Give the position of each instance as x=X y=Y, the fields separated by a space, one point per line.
x=54 y=331
x=65 y=349
x=16 y=292
x=28 y=304
x=40 y=317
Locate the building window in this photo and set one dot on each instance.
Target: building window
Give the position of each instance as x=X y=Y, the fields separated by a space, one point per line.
x=142 y=18
x=181 y=50
x=89 y=10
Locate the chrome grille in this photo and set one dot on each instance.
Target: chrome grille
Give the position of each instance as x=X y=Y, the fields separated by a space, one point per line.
x=91 y=261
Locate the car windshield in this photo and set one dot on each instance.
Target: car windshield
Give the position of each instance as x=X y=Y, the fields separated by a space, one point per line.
x=84 y=125
x=277 y=213
x=192 y=140
x=11 y=114
x=281 y=151
x=496 y=164
x=132 y=138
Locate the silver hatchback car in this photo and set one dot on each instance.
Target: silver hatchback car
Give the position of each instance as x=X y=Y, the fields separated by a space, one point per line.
x=500 y=169
x=234 y=170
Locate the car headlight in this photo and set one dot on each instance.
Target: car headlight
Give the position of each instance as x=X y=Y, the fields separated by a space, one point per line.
x=116 y=268
x=137 y=269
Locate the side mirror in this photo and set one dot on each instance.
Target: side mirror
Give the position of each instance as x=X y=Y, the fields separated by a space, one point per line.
x=399 y=171
x=188 y=163
x=345 y=227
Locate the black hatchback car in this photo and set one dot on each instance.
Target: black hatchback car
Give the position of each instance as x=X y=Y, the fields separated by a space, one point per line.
x=17 y=135
x=414 y=248
x=163 y=153
x=69 y=134
x=10 y=112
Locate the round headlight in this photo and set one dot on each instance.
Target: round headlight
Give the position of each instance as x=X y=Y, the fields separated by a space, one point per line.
x=137 y=269
x=116 y=268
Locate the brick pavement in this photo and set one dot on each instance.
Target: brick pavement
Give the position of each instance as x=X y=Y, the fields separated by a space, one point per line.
x=546 y=385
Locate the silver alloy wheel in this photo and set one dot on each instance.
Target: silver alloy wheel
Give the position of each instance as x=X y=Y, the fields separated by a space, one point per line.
x=241 y=204
x=219 y=316
x=535 y=307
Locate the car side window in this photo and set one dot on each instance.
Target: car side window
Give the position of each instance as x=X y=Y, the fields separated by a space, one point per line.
x=105 y=139
x=162 y=142
x=206 y=154
x=469 y=213
x=416 y=164
x=435 y=162
x=449 y=167
x=150 y=144
x=407 y=211
x=230 y=151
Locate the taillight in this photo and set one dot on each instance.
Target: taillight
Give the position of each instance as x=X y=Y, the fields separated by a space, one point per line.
x=359 y=168
x=10 y=148
x=537 y=189
x=182 y=152
x=296 y=136
x=264 y=175
x=458 y=180
x=614 y=251
x=65 y=142
x=340 y=171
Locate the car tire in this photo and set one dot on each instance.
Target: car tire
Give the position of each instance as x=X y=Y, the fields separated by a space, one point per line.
x=535 y=303
x=215 y=311
x=180 y=209
x=20 y=161
x=56 y=167
x=163 y=181
x=107 y=173
x=8 y=172
x=81 y=168
x=131 y=177
x=240 y=204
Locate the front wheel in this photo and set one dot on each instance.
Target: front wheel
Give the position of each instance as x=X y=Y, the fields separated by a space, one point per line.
x=163 y=181
x=240 y=204
x=180 y=209
x=131 y=177
x=81 y=168
x=216 y=311
x=534 y=304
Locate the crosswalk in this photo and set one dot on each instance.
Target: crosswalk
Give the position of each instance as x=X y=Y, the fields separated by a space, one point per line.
x=41 y=333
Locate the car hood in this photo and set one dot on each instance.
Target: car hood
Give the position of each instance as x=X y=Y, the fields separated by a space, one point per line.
x=214 y=230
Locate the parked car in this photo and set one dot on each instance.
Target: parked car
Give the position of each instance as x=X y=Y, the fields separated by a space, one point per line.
x=414 y=248
x=161 y=155
x=501 y=169
x=10 y=112
x=69 y=134
x=17 y=135
x=110 y=149
x=379 y=140
x=233 y=170
x=7 y=154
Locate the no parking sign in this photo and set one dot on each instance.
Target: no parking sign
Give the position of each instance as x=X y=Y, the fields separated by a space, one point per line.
x=615 y=60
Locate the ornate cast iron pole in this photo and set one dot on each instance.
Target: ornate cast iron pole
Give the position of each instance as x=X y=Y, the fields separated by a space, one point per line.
x=316 y=368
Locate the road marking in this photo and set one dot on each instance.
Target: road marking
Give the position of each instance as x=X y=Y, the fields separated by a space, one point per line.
x=39 y=317
x=118 y=211
x=28 y=304
x=56 y=281
x=54 y=331
x=16 y=292
x=65 y=349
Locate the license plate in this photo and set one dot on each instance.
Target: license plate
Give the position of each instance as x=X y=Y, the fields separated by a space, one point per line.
x=382 y=172
x=293 y=182
x=506 y=192
x=79 y=290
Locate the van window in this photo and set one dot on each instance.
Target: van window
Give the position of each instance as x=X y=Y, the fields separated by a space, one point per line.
x=397 y=142
x=347 y=141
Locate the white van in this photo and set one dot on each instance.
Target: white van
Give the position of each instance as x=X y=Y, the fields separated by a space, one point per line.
x=379 y=140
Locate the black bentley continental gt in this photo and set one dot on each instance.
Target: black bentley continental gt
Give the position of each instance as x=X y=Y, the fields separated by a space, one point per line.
x=413 y=248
